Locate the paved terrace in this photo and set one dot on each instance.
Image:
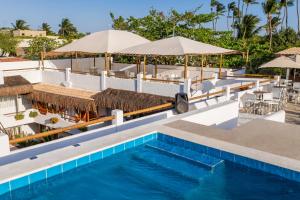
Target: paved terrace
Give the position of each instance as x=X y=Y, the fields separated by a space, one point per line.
x=271 y=142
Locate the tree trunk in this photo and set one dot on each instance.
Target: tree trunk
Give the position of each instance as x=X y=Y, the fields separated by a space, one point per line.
x=270 y=30
x=298 y=22
x=286 y=17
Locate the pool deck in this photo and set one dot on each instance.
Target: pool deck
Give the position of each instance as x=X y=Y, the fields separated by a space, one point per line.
x=266 y=141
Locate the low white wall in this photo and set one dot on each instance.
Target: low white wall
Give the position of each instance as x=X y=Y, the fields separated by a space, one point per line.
x=122 y=84
x=53 y=77
x=4 y=144
x=276 y=117
x=164 y=89
x=85 y=81
x=19 y=65
x=33 y=76
x=222 y=115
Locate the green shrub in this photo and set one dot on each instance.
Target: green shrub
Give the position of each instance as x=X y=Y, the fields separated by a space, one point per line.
x=19 y=116
x=33 y=114
x=54 y=120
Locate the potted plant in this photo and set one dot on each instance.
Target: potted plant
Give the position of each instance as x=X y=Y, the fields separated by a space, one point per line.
x=19 y=116
x=33 y=114
x=54 y=120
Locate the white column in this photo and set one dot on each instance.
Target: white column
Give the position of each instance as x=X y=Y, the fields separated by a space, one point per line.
x=67 y=82
x=1 y=77
x=4 y=144
x=103 y=80
x=187 y=86
x=257 y=85
x=227 y=93
x=118 y=120
x=287 y=74
x=139 y=83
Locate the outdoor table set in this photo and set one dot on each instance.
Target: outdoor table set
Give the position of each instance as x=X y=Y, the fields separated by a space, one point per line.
x=264 y=102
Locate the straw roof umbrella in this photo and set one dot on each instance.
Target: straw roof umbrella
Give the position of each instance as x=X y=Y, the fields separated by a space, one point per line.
x=107 y=42
x=282 y=62
x=176 y=46
x=290 y=51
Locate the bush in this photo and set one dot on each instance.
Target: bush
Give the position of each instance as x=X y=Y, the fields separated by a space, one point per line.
x=33 y=114
x=19 y=116
x=54 y=120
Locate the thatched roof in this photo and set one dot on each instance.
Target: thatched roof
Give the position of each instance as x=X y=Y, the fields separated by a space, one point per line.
x=290 y=51
x=128 y=101
x=63 y=97
x=15 y=85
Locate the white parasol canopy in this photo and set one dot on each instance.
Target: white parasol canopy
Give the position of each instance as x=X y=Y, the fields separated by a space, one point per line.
x=176 y=46
x=281 y=62
x=109 y=41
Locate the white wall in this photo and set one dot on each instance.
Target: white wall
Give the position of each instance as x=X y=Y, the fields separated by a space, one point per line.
x=33 y=76
x=85 y=81
x=119 y=83
x=223 y=116
x=4 y=144
x=163 y=89
x=53 y=77
x=19 y=65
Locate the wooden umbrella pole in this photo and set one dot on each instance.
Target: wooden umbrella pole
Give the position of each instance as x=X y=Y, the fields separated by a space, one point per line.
x=109 y=61
x=185 y=66
x=137 y=65
x=145 y=65
x=220 y=67
x=42 y=59
x=202 y=64
x=76 y=56
x=105 y=62
x=155 y=69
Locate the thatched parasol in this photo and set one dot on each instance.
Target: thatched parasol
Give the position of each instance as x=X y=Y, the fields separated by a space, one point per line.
x=63 y=97
x=128 y=101
x=15 y=85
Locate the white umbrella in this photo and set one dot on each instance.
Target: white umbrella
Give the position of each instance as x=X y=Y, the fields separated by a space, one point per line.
x=282 y=62
x=109 y=41
x=176 y=46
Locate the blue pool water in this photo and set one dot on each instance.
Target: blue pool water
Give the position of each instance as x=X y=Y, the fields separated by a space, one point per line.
x=157 y=170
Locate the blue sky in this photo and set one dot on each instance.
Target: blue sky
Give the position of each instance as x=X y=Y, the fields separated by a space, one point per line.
x=93 y=15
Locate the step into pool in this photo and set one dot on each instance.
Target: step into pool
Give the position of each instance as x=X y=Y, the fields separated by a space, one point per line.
x=154 y=167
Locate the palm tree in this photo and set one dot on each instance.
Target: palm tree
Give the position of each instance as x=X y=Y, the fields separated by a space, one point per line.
x=46 y=27
x=270 y=7
x=20 y=24
x=220 y=10
x=248 y=27
x=298 y=22
x=230 y=8
x=285 y=4
x=213 y=4
x=247 y=3
x=67 y=28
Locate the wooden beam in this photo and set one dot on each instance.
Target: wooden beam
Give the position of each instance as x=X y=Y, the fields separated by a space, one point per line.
x=109 y=62
x=105 y=62
x=202 y=65
x=155 y=68
x=145 y=67
x=186 y=60
x=220 y=66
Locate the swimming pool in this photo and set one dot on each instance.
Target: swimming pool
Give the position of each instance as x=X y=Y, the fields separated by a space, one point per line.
x=154 y=167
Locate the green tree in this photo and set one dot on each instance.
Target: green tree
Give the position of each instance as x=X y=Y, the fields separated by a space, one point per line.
x=41 y=44
x=247 y=3
x=8 y=44
x=285 y=4
x=46 y=27
x=20 y=24
x=270 y=7
x=67 y=29
x=248 y=27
